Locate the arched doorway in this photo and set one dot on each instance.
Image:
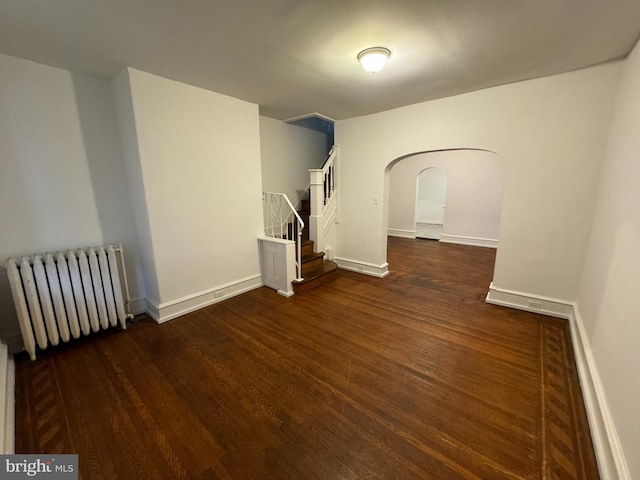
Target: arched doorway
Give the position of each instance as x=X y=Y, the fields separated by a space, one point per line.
x=431 y=199
x=475 y=183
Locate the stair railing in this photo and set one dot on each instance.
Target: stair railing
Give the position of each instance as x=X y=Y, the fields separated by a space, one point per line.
x=326 y=176
x=324 y=201
x=281 y=220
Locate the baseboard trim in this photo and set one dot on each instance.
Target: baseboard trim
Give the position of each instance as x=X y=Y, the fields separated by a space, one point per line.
x=473 y=241
x=138 y=306
x=176 y=308
x=152 y=310
x=611 y=460
x=285 y=294
x=7 y=407
x=429 y=222
x=553 y=307
x=379 y=271
x=397 y=232
x=606 y=443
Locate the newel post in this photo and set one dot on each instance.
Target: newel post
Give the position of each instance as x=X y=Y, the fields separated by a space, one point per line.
x=316 y=197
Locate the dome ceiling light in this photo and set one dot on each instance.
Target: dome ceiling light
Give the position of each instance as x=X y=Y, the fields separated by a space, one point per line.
x=374 y=59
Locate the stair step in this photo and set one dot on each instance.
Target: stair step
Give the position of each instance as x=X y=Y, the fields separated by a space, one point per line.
x=307 y=248
x=324 y=274
x=311 y=262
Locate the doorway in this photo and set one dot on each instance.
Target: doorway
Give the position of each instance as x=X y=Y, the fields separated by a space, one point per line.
x=474 y=189
x=431 y=198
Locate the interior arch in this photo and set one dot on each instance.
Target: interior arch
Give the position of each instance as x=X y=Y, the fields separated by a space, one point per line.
x=475 y=184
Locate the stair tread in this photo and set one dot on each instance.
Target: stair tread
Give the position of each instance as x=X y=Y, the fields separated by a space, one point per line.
x=312 y=256
x=327 y=267
x=317 y=278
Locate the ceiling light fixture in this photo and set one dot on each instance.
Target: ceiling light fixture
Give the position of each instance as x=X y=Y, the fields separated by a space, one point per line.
x=374 y=59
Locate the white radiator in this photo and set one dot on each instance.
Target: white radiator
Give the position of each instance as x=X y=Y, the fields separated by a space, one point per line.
x=66 y=294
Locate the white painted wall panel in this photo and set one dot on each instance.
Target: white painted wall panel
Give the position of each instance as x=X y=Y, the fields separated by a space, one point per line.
x=610 y=285
x=199 y=160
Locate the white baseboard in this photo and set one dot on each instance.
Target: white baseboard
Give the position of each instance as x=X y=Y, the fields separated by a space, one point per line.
x=473 y=241
x=379 y=271
x=176 y=308
x=397 y=232
x=7 y=402
x=429 y=222
x=138 y=306
x=609 y=453
x=611 y=460
x=553 y=307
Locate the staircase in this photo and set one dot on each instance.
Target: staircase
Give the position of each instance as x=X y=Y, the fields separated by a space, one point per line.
x=316 y=271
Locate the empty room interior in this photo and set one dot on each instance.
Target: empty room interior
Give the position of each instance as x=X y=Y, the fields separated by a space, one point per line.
x=321 y=240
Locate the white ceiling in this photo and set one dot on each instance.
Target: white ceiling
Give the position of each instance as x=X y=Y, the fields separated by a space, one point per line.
x=294 y=57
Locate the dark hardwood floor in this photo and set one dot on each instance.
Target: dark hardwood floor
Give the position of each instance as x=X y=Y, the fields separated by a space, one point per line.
x=410 y=376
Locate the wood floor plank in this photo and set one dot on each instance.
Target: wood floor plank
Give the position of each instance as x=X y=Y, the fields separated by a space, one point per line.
x=412 y=376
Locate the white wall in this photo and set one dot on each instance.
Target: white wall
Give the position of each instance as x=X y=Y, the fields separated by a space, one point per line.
x=474 y=192
x=551 y=133
x=129 y=140
x=199 y=178
x=62 y=181
x=431 y=197
x=288 y=152
x=610 y=286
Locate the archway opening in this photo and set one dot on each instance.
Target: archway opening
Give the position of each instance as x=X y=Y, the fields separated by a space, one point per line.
x=431 y=200
x=474 y=191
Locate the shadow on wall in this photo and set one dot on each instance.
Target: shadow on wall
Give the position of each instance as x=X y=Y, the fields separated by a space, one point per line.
x=62 y=181
x=105 y=160
x=8 y=316
x=319 y=123
x=473 y=195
